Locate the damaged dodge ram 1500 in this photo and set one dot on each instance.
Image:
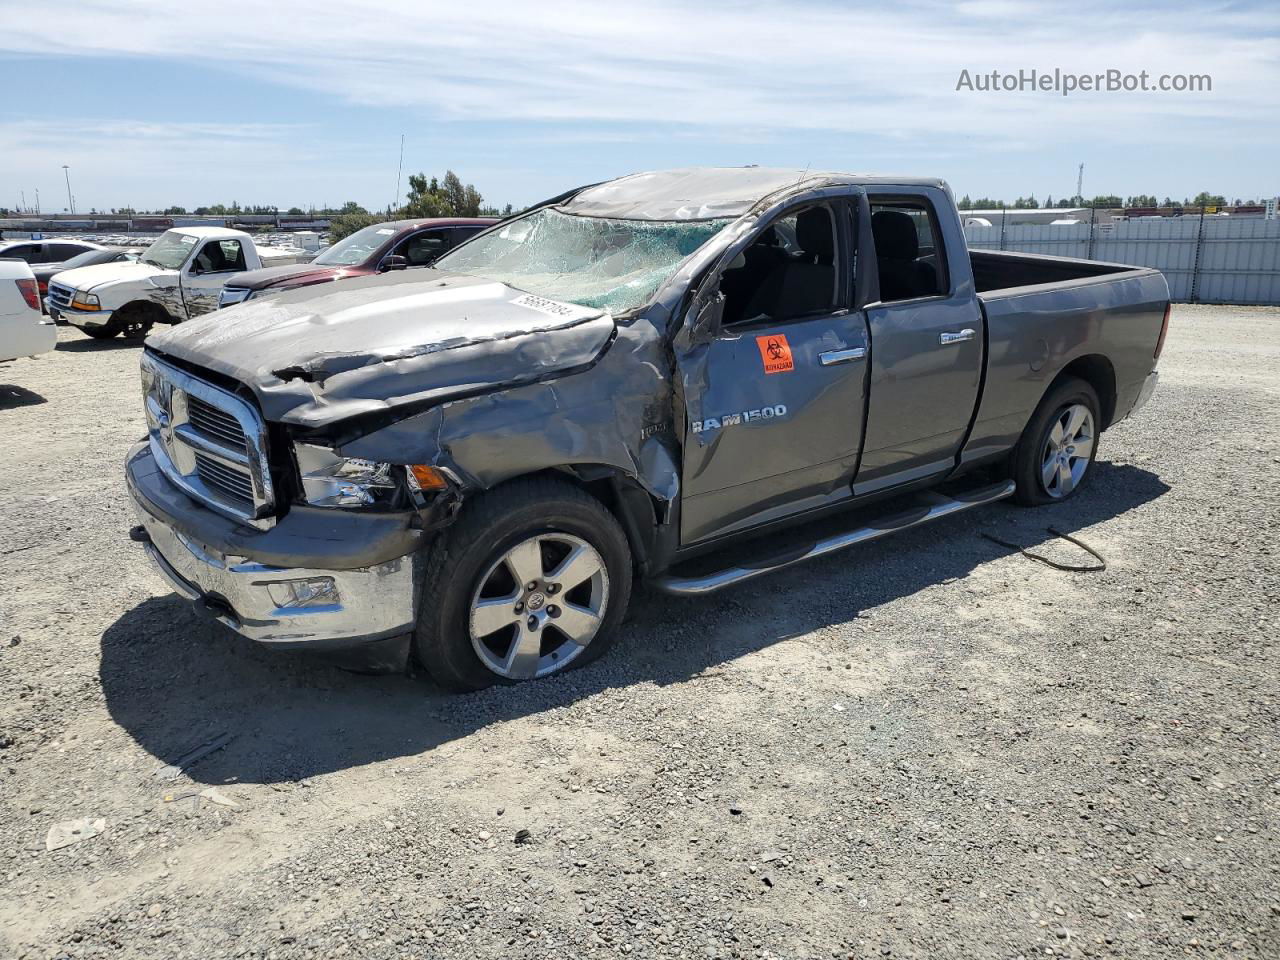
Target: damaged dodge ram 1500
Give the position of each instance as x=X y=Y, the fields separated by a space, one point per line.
x=473 y=461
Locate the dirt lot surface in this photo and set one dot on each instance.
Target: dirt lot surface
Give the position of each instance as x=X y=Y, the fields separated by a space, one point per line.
x=926 y=747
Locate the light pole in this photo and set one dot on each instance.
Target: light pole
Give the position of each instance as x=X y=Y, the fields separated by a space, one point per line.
x=66 y=172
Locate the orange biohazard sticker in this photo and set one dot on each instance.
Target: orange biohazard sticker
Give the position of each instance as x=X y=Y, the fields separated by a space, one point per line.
x=775 y=352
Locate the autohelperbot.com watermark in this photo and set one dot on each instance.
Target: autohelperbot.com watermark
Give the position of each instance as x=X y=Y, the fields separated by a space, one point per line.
x=1065 y=82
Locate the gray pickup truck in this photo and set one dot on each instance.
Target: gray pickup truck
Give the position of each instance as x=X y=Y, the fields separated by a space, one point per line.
x=667 y=376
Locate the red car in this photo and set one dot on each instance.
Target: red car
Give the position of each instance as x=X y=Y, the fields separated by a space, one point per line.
x=394 y=245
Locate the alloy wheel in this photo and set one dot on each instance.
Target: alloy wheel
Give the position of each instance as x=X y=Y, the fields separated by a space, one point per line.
x=1068 y=450
x=538 y=606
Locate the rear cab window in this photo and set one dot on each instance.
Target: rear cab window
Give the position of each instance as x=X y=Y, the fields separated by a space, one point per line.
x=910 y=255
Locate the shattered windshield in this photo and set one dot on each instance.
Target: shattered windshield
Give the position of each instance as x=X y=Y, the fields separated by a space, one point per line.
x=356 y=248
x=615 y=265
x=170 y=251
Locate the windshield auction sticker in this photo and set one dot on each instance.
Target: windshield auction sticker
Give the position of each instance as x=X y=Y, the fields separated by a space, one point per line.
x=550 y=307
x=776 y=353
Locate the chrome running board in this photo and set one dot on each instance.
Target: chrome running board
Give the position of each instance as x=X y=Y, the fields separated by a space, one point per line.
x=933 y=506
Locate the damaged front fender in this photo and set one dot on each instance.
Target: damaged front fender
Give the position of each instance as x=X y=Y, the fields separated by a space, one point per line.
x=617 y=415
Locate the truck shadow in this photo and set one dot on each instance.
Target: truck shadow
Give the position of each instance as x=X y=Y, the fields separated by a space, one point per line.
x=175 y=681
x=12 y=397
x=88 y=344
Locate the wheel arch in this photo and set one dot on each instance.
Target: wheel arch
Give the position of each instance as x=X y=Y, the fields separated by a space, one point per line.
x=145 y=307
x=637 y=511
x=1097 y=371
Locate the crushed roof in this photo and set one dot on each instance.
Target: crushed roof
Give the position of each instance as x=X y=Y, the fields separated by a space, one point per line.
x=704 y=193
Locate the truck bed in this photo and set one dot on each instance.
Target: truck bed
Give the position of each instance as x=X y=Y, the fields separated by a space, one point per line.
x=1003 y=270
x=1044 y=313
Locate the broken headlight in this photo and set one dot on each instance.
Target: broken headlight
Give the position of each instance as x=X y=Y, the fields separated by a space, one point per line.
x=329 y=480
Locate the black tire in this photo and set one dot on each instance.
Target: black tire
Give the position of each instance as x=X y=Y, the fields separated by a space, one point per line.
x=135 y=320
x=488 y=527
x=1028 y=455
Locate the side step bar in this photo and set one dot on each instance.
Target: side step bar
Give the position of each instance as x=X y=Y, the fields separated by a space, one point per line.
x=934 y=506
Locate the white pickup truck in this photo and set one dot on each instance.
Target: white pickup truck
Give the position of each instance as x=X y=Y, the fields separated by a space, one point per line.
x=178 y=277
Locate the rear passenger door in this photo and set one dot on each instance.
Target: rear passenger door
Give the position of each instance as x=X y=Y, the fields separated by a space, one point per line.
x=927 y=340
x=773 y=393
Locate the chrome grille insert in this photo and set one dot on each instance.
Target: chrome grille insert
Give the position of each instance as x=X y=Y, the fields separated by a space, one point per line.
x=227 y=480
x=215 y=423
x=209 y=442
x=60 y=296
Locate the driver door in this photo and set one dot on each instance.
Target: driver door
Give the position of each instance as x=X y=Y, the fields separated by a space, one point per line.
x=775 y=398
x=204 y=274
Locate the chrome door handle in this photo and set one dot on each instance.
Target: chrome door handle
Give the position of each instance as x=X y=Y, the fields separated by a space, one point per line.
x=832 y=357
x=959 y=336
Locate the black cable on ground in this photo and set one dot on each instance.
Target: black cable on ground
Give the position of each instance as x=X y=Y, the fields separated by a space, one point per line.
x=1069 y=567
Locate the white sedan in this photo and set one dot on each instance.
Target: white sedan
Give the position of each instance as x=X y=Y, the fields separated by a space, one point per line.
x=24 y=329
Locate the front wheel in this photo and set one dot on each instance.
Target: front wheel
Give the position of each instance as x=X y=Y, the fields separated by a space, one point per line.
x=532 y=580
x=134 y=323
x=1055 y=454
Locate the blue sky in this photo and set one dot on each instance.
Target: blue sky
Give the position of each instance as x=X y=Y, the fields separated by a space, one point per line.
x=287 y=102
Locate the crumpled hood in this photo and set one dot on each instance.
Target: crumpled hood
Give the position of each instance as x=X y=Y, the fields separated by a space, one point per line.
x=86 y=278
x=374 y=343
x=285 y=275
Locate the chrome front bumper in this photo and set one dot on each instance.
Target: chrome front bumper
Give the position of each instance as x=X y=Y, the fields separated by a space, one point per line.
x=351 y=607
x=77 y=318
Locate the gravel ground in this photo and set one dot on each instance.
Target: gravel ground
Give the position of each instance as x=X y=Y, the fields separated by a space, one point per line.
x=926 y=747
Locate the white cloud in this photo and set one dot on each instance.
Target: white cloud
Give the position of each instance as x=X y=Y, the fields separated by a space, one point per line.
x=730 y=80
x=798 y=66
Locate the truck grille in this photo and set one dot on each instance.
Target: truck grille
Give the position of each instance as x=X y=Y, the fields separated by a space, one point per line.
x=227 y=480
x=208 y=441
x=215 y=423
x=60 y=296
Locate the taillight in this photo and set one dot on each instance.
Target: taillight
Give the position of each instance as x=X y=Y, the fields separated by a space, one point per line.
x=29 y=292
x=1164 y=328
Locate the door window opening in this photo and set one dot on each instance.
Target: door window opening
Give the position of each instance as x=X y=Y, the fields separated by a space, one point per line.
x=789 y=271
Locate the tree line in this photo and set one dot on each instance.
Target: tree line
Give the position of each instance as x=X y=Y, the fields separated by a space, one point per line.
x=1202 y=199
x=448 y=196
x=445 y=196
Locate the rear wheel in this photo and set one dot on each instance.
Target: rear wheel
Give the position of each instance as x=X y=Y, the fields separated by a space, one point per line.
x=1055 y=455
x=532 y=580
x=101 y=333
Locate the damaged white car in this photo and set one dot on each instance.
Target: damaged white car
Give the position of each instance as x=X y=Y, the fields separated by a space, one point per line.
x=178 y=277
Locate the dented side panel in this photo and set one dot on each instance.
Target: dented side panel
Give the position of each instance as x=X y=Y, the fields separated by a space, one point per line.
x=770 y=425
x=617 y=414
